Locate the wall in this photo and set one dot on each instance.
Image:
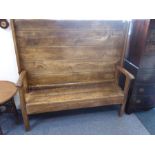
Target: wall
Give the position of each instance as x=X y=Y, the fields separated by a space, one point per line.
x=8 y=65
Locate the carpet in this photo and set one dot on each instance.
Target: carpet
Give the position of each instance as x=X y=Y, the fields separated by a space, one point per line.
x=95 y=121
x=147 y=118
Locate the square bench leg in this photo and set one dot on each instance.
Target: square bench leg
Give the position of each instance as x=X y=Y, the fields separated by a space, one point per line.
x=23 y=110
x=122 y=110
x=25 y=119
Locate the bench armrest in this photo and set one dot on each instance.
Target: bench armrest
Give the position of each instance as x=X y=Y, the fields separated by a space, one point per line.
x=125 y=72
x=22 y=81
x=22 y=87
x=128 y=76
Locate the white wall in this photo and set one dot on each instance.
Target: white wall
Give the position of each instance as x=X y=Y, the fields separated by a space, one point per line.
x=8 y=65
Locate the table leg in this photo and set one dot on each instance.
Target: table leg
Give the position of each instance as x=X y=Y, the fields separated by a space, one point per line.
x=14 y=110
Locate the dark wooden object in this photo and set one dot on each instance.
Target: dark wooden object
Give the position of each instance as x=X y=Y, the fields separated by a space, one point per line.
x=7 y=91
x=142 y=96
x=69 y=64
x=139 y=31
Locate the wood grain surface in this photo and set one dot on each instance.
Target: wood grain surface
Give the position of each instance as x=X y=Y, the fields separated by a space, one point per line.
x=69 y=64
x=7 y=91
x=69 y=51
x=73 y=97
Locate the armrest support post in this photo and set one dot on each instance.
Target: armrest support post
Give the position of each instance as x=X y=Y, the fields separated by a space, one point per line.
x=129 y=77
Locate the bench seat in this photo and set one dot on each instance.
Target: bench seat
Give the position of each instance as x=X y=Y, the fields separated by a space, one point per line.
x=73 y=97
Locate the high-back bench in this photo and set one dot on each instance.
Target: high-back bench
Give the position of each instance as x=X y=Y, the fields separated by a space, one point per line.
x=69 y=64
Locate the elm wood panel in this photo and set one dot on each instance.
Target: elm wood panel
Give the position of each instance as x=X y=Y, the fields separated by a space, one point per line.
x=107 y=24
x=42 y=108
x=50 y=100
x=67 y=24
x=116 y=33
x=48 y=96
x=64 y=67
x=69 y=53
x=55 y=71
x=38 y=80
x=64 y=85
x=75 y=89
x=74 y=39
x=50 y=33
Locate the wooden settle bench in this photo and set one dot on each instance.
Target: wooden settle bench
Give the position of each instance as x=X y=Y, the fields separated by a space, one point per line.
x=69 y=64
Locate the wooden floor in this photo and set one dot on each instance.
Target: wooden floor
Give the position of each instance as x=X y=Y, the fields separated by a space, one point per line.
x=72 y=97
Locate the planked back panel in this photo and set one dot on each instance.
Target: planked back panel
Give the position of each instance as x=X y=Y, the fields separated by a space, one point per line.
x=69 y=51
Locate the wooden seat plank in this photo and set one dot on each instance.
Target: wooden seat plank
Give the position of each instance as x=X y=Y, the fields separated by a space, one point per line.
x=80 y=94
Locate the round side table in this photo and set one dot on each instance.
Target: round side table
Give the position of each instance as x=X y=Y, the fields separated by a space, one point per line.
x=7 y=92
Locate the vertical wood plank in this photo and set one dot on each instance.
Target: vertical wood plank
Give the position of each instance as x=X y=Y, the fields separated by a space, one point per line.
x=126 y=43
x=15 y=44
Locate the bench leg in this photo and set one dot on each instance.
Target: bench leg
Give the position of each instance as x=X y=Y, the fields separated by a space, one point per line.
x=26 y=122
x=122 y=109
x=25 y=119
x=23 y=110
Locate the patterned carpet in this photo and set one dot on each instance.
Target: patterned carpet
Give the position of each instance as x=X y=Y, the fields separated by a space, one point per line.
x=95 y=121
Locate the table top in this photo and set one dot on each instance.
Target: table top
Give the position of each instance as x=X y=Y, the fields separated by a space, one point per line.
x=7 y=91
